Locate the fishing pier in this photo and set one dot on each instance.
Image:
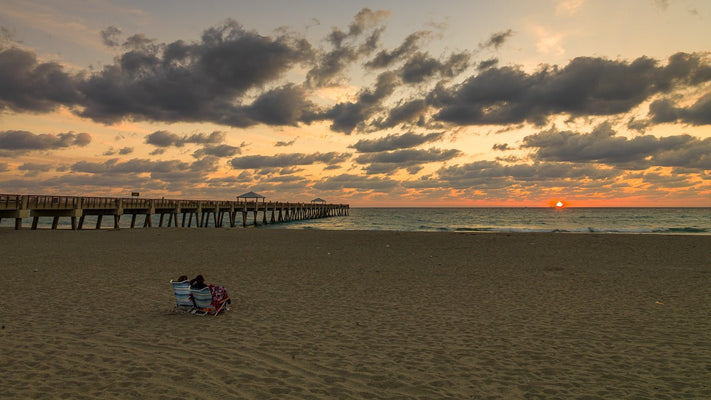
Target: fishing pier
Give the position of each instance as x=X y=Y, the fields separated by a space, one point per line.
x=177 y=213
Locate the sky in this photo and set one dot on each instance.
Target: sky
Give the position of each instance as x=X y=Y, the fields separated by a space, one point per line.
x=388 y=103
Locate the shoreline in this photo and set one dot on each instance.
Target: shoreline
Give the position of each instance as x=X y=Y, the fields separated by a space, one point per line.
x=357 y=314
x=282 y=226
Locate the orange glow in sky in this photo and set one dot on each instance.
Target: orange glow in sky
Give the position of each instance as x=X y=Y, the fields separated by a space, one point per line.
x=408 y=105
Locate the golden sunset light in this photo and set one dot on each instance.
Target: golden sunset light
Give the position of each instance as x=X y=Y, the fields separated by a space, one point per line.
x=399 y=104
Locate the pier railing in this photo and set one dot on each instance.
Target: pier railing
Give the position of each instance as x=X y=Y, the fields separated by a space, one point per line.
x=76 y=208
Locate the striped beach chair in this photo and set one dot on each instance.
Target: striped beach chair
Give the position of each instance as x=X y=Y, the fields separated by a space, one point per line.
x=181 y=290
x=204 y=304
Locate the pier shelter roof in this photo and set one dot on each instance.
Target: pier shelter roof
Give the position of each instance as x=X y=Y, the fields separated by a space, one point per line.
x=318 y=200
x=251 y=195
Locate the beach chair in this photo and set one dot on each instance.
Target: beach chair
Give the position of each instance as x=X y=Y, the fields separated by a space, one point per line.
x=204 y=304
x=183 y=302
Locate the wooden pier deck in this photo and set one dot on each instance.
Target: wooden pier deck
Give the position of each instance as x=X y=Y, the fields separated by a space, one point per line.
x=178 y=213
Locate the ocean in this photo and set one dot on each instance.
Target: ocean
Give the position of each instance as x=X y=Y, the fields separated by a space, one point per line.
x=603 y=220
x=694 y=221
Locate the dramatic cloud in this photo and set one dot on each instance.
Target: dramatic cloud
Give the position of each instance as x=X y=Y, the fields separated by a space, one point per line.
x=497 y=39
x=286 y=105
x=170 y=171
x=282 y=143
x=388 y=162
x=404 y=113
x=168 y=139
x=396 y=142
x=27 y=85
x=202 y=81
x=210 y=81
x=492 y=174
x=122 y=151
x=348 y=116
x=486 y=64
x=223 y=150
x=699 y=113
x=421 y=66
x=602 y=145
x=332 y=63
x=356 y=182
x=386 y=58
x=586 y=86
x=402 y=100
x=287 y=160
x=110 y=36
x=34 y=168
x=27 y=141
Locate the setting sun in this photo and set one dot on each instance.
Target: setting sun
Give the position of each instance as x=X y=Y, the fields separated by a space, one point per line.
x=557 y=203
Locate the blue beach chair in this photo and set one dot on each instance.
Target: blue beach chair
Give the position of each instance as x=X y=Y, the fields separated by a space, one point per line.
x=183 y=303
x=204 y=304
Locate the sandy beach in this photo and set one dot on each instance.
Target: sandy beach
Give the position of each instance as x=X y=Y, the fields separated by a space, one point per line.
x=356 y=315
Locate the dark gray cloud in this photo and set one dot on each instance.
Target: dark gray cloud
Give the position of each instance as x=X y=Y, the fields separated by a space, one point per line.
x=27 y=85
x=331 y=64
x=396 y=142
x=496 y=40
x=110 y=36
x=286 y=105
x=386 y=58
x=493 y=174
x=390 y=161
x=699 y=113
x=27 y=141
x=421 y=66
x=201 y=81
x=34 y=168
x=289 y=171
x=122 y=151
x=177 y=173
x=287 y=160
x=168 y=139
x=141 y=43
x=349 y=116
x=357 y=182
x=223 y=150
x=586 y=86
x=418 y=66
x=408 y=112
x=486 y=64
x=6 y=36
x=282 y=143
x=365 y=19
x=602 y=145
x=136 y=166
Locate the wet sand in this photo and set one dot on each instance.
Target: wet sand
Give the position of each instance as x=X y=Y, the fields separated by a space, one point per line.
x=356 y=315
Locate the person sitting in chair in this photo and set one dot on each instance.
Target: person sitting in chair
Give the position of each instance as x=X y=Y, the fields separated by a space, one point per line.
x=219 y=294
x=198 y=282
